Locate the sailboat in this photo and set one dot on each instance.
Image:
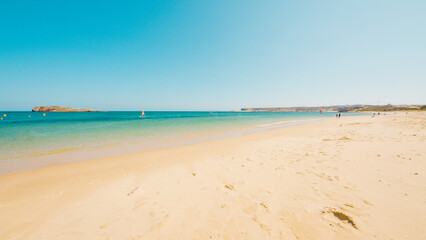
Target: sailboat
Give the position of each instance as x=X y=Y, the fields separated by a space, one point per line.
x=142 y=114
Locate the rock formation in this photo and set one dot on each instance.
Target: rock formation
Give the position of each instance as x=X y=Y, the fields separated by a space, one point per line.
x=60 y=109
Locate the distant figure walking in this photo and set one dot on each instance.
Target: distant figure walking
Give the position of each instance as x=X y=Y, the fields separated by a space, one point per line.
x=339 y=115
x=320 y=111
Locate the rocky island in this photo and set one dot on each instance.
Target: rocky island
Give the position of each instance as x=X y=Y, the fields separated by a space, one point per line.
x=60 y=109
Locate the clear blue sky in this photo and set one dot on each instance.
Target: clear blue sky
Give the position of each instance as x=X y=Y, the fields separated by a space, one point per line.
x=218 y=54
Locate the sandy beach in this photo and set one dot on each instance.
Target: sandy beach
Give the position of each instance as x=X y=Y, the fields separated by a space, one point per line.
x=357 y=177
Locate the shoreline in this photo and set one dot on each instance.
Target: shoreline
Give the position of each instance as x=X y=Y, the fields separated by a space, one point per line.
x=350 y=178
x=69 y=155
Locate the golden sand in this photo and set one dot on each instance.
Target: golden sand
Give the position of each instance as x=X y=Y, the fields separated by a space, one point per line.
x=347 y=178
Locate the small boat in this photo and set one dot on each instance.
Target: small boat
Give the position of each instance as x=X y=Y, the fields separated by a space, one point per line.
x=142 y=114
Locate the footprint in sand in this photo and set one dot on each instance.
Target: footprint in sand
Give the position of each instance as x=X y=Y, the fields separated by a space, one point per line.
x=251 y=210
x=107 y=224
x=279 y=168
x=265 y=227
x=139 y=204
x=345 y=139
x=265 y=206
x=349 y=205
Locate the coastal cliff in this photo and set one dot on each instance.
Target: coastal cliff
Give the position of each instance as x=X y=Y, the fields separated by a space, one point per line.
x=340 y=108
x=60 y=109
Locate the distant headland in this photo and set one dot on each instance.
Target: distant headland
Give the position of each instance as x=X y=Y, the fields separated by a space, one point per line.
x=340 y=108
x=60 y=109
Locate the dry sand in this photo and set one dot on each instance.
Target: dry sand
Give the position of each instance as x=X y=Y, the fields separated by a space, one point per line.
x=347 y=178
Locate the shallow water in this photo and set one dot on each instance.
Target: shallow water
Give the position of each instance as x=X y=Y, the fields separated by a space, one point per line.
x=26 y=135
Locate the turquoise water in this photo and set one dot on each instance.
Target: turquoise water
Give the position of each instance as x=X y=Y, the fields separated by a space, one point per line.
x=22 y=136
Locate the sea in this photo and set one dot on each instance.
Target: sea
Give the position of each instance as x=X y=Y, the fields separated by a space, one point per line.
x=34 y=139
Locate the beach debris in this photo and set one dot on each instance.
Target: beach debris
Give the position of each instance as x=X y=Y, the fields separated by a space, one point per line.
x=133 y=191
x=229 y=186
x=342 y=217
x=194 y=174
x=345 y=218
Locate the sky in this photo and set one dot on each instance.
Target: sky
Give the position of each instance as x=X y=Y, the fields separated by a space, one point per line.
x=211 y=55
